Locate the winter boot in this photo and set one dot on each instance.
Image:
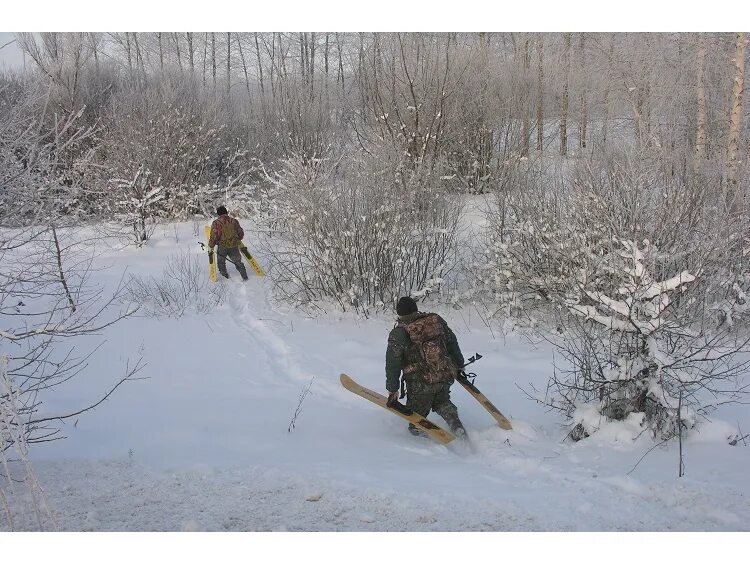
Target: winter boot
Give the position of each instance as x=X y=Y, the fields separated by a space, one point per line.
x=416 y=431
x=457 y=428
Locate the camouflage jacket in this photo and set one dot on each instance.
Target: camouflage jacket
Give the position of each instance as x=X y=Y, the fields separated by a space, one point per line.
x=226 y=232
x=398 y=354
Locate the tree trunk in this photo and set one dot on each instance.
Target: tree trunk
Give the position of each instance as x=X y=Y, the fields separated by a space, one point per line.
x=325 y=67
x=540 y=97
x=583 y=117
x=607 y=87
x=229 y=61
x=525 y=134
x=282 y=55
x=340 y=71
x=139 y=57
x=311 y=50
x=244 y=66
x=643 y=94
x=213 y=57
x=161 y=52
x=95 y=50
x=735 y=115
x=205 y=56
x=700 y=129
x=325 y=55
x=564 y=108
x=190 y=53
x=127 y=47
x=302 y=57
x=177 y=47
x=260 y=66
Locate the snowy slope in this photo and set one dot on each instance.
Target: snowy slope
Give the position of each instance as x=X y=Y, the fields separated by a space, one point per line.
x=203 y=443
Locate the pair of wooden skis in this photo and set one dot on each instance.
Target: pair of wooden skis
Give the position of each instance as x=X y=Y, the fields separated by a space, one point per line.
x=430 y=429
x=245 y=253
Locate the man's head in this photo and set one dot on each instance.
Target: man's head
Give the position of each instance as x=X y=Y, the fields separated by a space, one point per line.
x=221 y=210
x=406 y=305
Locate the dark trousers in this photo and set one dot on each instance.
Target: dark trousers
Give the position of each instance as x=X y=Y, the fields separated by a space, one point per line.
x=234 y=255
x=423 y=398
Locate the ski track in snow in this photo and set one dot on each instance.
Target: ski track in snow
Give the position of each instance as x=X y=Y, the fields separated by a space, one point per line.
x=279 y=355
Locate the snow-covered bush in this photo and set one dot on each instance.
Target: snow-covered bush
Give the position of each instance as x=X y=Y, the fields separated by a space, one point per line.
x=527 y=255
x=646 y=348
x=625 y=266
x=163 y=154
x=361 y=230
x=44 y=157
x=182 y=287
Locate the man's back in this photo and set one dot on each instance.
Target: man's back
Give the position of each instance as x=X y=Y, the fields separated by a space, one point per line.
x=226 y=232
x=402 y=354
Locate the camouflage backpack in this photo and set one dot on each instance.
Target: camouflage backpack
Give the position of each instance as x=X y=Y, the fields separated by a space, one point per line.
x=428 y=355
x=230 y=237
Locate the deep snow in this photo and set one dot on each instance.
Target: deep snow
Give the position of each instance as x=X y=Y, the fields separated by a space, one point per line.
x=203 y=443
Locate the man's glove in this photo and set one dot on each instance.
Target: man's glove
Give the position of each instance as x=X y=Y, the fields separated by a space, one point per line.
x=392 y=398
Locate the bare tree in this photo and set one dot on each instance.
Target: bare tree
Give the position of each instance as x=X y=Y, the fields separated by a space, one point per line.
x=229 y=61
x=700 y=120
x=260 y=66
x=62 y=58
x=161 y=51
x=735 y=114
x=540 y=94
x=607 y=90
x=564 y=107
x=583 y=112
x=176 y=39
x=241 y=51
x=525 y=128
x=191 y=54
x=213 y=57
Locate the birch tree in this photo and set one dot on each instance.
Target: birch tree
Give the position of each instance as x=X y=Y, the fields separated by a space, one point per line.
x=540 y=94
x=582 y=111
x=525 y=129
x=564 y=106
x=735 y=113
x=700 y=119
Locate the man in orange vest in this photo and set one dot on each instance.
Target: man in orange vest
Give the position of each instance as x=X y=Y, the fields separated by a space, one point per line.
x=226 y=234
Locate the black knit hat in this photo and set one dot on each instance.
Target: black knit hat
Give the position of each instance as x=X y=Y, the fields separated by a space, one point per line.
x=406 y=305
x=221 y=210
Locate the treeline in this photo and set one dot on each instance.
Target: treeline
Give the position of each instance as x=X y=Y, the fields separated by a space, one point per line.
x=190 y=115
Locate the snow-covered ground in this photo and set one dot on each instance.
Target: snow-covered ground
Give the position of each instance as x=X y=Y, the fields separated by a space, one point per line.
x=203 y=442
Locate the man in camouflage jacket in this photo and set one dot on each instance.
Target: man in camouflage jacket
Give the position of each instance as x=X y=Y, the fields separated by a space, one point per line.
x=428 y=373
x=226 y=234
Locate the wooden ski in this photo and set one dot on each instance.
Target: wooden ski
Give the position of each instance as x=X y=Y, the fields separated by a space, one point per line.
x=211 y=256
x=251 y=261
x=487 y=404
x=430 y=429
